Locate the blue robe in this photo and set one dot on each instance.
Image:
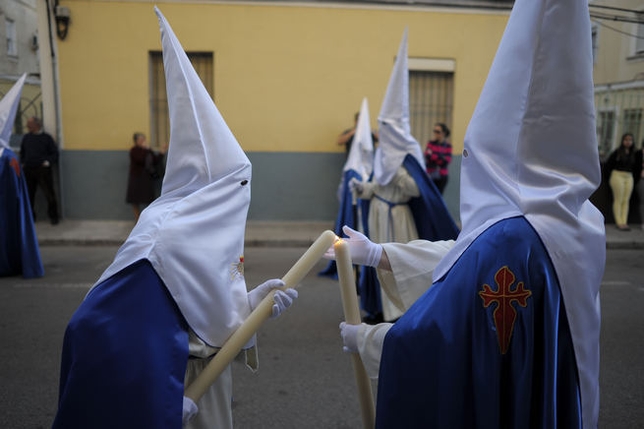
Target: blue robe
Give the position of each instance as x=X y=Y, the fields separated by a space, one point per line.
x=124 y=358
x=368 y=286
x=461 y=357
x=19 y=251
x=346 y=216
x=433 y=220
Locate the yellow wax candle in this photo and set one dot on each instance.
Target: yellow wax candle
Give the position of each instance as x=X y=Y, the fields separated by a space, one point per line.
x=352 y=317
x=262 y=312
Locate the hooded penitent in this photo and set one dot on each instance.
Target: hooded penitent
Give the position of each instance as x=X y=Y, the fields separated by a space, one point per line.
x=193 y=234
x=395 y=139
x=529 y=165
x=19 y=252
x=360 y=157
x=126 y=348
x=545 y=164
x=8 y=109
x=359 y=165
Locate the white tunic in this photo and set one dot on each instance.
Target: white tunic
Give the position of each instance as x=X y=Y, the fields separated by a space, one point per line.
x=391 y=220
x=215 y=406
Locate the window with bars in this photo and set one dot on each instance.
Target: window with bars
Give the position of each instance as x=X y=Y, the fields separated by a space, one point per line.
x=430 y=101
x=605 y=132
x=595 y=41
x=203 y=63
x=639 y=40
x=632 y=123
x=10 y=30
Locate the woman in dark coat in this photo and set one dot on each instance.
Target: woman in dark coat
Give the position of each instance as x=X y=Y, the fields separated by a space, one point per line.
x=144 y=163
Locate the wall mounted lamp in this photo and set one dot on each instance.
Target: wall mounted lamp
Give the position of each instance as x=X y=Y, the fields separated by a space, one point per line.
x=61 y=15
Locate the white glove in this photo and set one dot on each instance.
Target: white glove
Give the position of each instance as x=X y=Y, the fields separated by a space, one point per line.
x=349 y=334
x=282 y=298
x=362 y=250
x=356 y=185
x=190 y=410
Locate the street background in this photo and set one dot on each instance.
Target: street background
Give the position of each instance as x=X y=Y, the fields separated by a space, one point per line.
x=304 y=380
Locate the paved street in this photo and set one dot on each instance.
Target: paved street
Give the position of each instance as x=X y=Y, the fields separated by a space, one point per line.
x=304 y=379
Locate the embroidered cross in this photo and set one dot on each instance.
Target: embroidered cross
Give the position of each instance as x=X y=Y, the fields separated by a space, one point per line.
x=504 y=314
x=16 y=167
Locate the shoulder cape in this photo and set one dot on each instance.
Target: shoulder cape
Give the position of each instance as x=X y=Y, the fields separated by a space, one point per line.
x=487 y=346
x=125 y=354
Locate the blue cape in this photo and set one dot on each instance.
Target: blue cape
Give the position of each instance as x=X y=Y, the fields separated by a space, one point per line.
x=346 y=216
x=433 y=220
x=368 y=286
x=19 y=252
x=124 y=358
x=464 y=357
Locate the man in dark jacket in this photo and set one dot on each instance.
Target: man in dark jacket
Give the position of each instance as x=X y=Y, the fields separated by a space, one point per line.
x=38 y=152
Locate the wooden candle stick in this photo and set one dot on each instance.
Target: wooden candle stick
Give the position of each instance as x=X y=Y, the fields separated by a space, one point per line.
x=352 y=317
x=257 y=317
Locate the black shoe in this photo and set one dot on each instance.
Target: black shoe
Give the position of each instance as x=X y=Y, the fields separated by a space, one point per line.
x=54 y=221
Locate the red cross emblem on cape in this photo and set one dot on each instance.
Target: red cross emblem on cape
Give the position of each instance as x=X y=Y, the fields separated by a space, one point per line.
x=16 y=167
x=504 y=314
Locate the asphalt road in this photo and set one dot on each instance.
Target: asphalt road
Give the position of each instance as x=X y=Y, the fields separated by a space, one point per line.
x=305 y=380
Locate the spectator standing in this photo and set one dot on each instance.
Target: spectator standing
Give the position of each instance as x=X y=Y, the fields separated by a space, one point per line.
x=621 y=166
x=143 y=174
x=38 y=154
x=438 y=155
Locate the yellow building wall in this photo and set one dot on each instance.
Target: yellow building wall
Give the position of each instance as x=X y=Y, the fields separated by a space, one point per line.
x=287 y=77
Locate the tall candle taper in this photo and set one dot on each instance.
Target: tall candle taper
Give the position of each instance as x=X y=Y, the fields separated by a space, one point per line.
x=263 y=311
x=352 y=317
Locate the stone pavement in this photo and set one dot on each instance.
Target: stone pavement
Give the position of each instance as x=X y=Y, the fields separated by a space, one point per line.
x=258 y=233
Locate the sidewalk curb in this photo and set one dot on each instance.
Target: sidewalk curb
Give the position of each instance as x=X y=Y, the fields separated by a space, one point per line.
x=257 y=234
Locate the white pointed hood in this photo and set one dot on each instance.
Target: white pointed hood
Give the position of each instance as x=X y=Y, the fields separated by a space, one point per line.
x=360 y=157
x=394 y=130
x=193 y=234
x=530 y=149
x=8 y=110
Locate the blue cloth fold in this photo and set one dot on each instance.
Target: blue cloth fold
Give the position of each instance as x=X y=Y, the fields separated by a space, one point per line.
x=124 y=357
x=19 y=251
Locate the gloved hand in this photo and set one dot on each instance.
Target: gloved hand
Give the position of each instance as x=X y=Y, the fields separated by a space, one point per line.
x=283 y=299
x=362 y=250
x=349 y=334
x=356 y=185
x=190 y=409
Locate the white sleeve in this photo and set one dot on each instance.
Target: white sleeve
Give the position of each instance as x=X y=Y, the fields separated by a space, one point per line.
x=370 y=340
x=412 y=267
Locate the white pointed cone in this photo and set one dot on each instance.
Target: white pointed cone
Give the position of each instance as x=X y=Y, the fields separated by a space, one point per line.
x=193 y=234
x=394 y=129
x=531 y=150
x=360 y=157
x=8 y=110
x=193 y=160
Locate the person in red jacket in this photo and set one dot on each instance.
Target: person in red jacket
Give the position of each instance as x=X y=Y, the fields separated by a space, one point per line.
x=438 y=155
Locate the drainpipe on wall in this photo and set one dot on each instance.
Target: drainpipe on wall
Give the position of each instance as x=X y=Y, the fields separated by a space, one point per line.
x=49 y=86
